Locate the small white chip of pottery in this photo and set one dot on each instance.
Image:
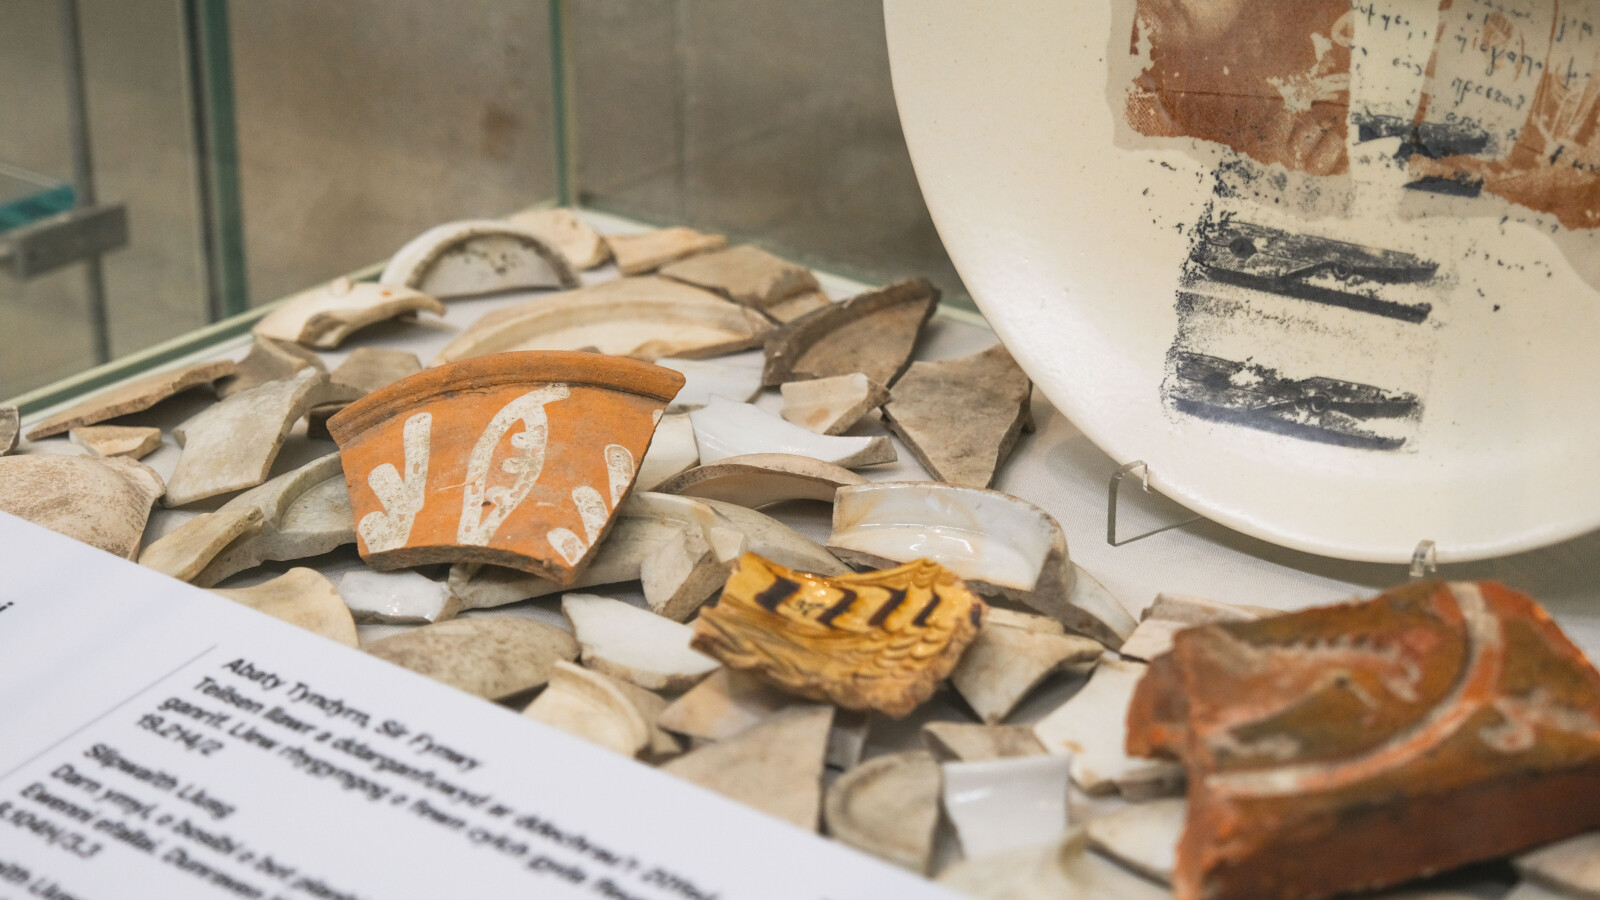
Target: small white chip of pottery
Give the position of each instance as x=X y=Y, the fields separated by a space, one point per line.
x=705 y=378
x=724 y=428
x=968 y=742
x=1004 y=664
x=396 y=598
x=1092 y=727
x=635 y=645
x=132 y=441
x=1142 y=836
x=831 y=405
x=1004 y=804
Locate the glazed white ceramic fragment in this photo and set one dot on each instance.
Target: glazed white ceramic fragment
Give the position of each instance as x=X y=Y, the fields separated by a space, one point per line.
x=1571 y=867
x=324 y=316
x=231 y=445
x=887 y=807
x=1064 y=869
x=134 y=396
x=746 y=274
x=649 y=250
x=1092 y=727
x=775 y=767
x=724 y=428
x=961 y=417
x=642 y=318
x=492 y=657
x=1002 y=544
x=831 y=405
x=967 y=742
x=132 y=441
x=1004 y=804
x=635 y=645
x=1171 y=613
x=580 y=245
x=302 y=597
x=1004 y=664
x=11 y=427
x=404 y=597
x=1142 y=836
x=726 y=703
x=477 y=256
x=104 y=503
x=672 y=452
x=704 y=379
x=761 y=479
x=588 y=705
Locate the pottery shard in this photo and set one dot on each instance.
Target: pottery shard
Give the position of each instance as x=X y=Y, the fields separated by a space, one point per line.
x=725 y=704
x=474 y=257
x=832 y=405
x=640 y=253
x=489 y=656
x=746 y=275
x=760 y=479
x=790 y=308
x=301 y=597
x=366 y=369
x=131 y=441
x=1142 y=836
x=130 y=397
x=324 y=316
x=888 y=807
x=1572 y=866
x=1090 y=727
x=775 y=767
x=639 y=647
x=966 y=742
x=514 y=459
x=1172 y=613
x=1360 y=745
x=590 y=706
x=101 y=502
x=10 y=427
x=872 y=333
x=961 y=417
x=231 y=445
x=582 y=246
x=1004 y=664
x=268 y=360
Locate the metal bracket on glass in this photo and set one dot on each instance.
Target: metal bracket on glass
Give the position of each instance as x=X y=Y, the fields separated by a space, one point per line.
x=1424 y=560
x=1111 y=505
x=64 y=238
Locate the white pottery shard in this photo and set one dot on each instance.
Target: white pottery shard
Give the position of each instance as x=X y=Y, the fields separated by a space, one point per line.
x=231 y=445
x=1064 y=869
x=301 y=597
x=761 y=479
x=681 y=573
x=790 y=308
x=672 y=451
x=704 y=379
x=134 y=396
x=888 y=807
x=268 y=360
x=747 y=275
x=324 y=316
x=11 y=427
x=961 y=417
x=580 y=245
x=724 y=428
x=966 y=742
x=488 y=656
x=834 y=404
x=1093 y=727
x=132 y=441
x=1142 y=836
x=104 y=503
x=642 y=318
x=725 y=704
x=1172 y=613
x=873 y=333
x=662 y=744
x=1004 y=664
x=588 y=705
x=306 y=512
x=396 y=598
x=999 y=543
x=647 y=251
x=775 y=767
x=634 y=645
x=1571 y=867
x=474 y=257
x=1005 y=804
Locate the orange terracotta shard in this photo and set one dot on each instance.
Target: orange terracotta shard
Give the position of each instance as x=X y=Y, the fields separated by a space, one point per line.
x=1356 y=746
x=514 y=459
x=876 y=640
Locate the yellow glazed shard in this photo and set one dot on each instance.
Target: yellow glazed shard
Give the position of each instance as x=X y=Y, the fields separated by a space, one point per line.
x=876 y=640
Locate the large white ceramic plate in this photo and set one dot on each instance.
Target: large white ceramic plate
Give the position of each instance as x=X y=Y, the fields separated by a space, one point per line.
x=1328 y=268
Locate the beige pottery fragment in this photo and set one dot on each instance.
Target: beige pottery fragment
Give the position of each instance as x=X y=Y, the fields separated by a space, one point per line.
x=1172 y=613
x=635 y=645
x=790 y=308
x=1142 y=836
x=131 y=441
x=746 y=274
x=872 y=333
x=301 y=597
x=672 y=451
x=647 y=251
x=1093 y=727
x=104 y=503
x=962 y=417
x=761 y=479
x=1004 y=664
x=580 y=245
x=324 y=316
x=1065 y=869
x=488 y=656
x=724 y=429
x=1572 y=866
x=134 y=396
x=888 y=807
x=967 y=742
x=10 y=428
x=474 y=257
x=831 y=405
x=268 y=360
x=774 y=767
x=588 y=705
x=727 y=703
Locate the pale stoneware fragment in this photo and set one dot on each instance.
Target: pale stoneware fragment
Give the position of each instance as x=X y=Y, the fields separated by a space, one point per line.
x=672 y=451
x=776 y=541
x=306 y=512
x=1063 y=869
x=1001 y=544
x=134 y=396
x=231 y=445
x=475 y=257
x=184 y=552
x=370 y=368
x=635 y=645
x=1092 y=727
x=301 y=597
x=831 y=405
x=681 y=573
x=1142 y=836
x=647 y=251
x=104 y=503
x=1572 y=866
x=396 y=598
x=999 y=615
x=11 y=427
x=641 y=318
x=1004 y=804
x=662 y=744
x=707 y=378
x=268 y=360
x=724 y=428
x=761 y=479
x=887 y=807
x=580 y=245
x=1004 y=664
x=746 y=274
x=961 y=417
x=790 y=308
x=1170 y=614
x=726 y=703
x=590 y=706
x=774 y=767
x=132 y=441
x=872 y=333
x=325 y=315
x=489 y=656
x=966 y=742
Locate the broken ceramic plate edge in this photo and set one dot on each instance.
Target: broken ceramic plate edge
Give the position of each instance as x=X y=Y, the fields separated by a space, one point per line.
x=424 y=263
